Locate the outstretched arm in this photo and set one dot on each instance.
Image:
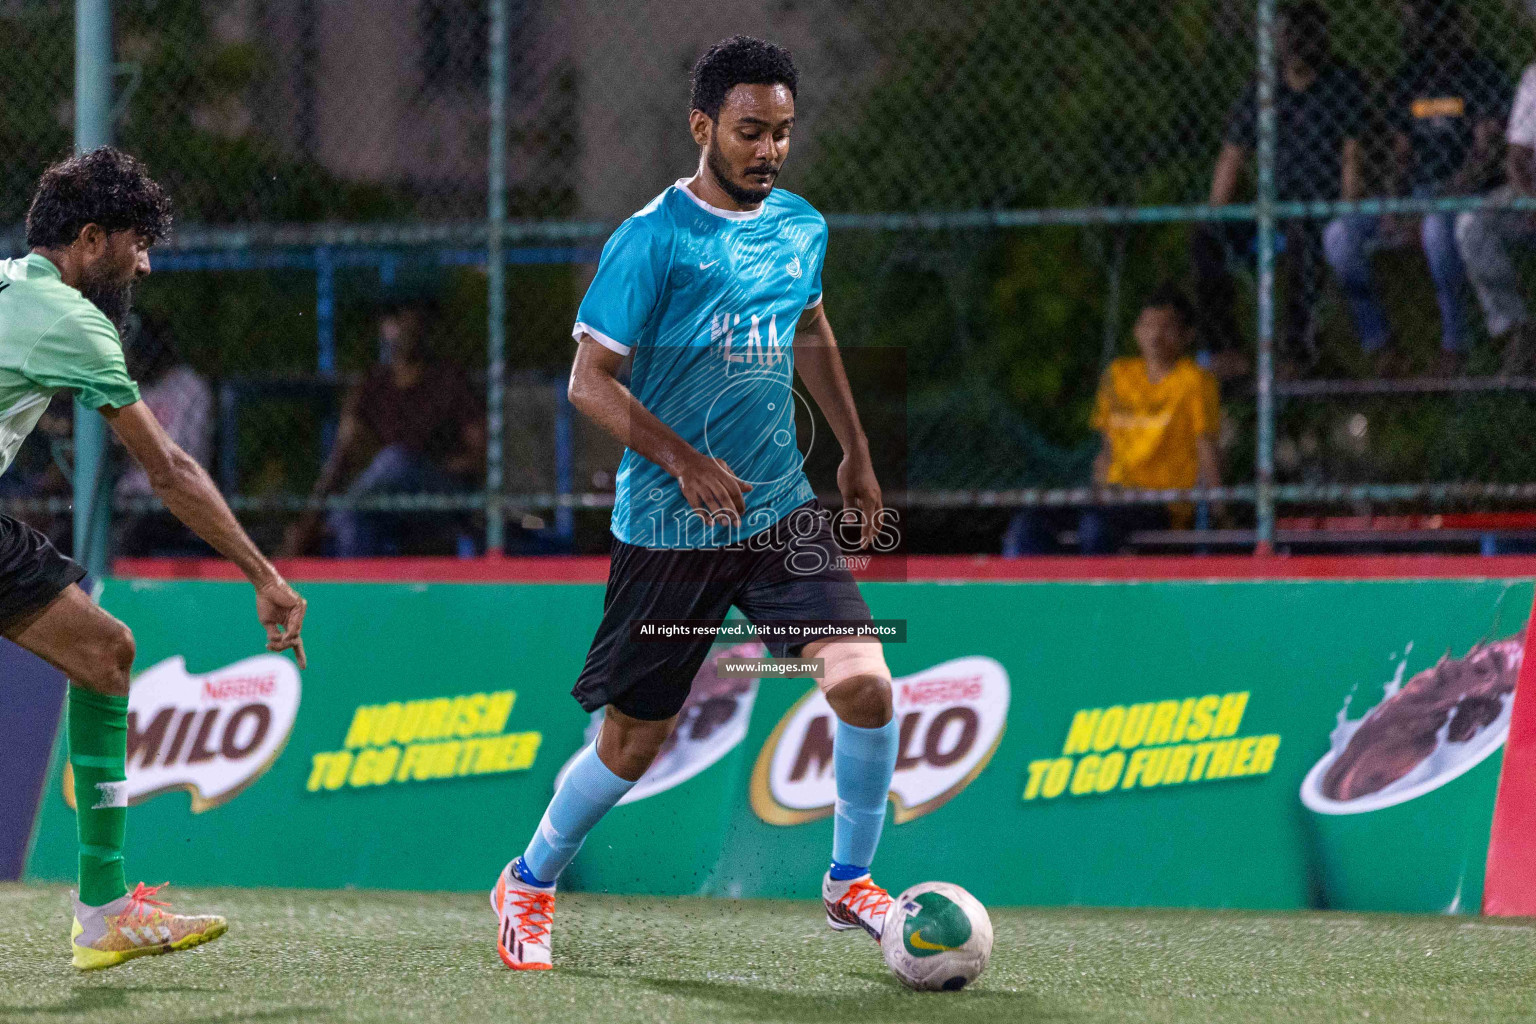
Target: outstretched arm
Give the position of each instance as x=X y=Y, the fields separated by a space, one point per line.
x=1520 y=166
x=1482 y=157
x=349 y=449
x=820 y=366
x=1229 y=166
x=707 y=484
x=191 y=496
x=1351 y=175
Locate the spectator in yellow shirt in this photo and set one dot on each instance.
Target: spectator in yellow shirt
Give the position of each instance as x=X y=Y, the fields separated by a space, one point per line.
x=1158 y=414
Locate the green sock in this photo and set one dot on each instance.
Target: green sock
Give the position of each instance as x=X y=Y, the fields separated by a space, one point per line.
x=98 y=754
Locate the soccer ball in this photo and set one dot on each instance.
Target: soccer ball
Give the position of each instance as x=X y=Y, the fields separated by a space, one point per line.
x=936 y=937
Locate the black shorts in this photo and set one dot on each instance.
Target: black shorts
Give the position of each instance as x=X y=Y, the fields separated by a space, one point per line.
x=790 y=572
x=32 y=572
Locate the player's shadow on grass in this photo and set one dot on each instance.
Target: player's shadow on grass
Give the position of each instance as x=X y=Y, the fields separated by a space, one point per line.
x=748 y=1002
x=104 y=999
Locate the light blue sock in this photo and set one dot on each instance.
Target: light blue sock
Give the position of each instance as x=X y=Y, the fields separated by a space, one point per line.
x=864 y=761
x=589 y=791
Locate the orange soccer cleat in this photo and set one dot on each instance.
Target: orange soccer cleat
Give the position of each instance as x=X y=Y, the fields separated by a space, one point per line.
x=856 y=903
x=525 y=915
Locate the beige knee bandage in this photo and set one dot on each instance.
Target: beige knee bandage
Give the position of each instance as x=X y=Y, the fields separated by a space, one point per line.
x=849 y=659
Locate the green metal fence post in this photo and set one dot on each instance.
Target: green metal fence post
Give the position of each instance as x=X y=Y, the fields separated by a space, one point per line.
x=93 y=128
x=1266 y=326
x=496 y=281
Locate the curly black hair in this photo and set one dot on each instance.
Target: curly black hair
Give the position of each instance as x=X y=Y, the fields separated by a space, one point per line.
x=106 y=187
x=1170 y=296
x=739 y=60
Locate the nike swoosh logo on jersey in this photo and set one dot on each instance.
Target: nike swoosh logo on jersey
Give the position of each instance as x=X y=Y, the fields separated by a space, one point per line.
x=706 y=266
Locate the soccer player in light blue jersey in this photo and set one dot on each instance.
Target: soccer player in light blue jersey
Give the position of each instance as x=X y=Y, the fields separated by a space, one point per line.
x=713 y=291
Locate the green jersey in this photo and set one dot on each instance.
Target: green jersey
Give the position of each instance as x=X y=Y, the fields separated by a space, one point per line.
x=52 y=339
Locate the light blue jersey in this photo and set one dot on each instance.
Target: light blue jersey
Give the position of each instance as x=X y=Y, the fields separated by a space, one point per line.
x=707 y=300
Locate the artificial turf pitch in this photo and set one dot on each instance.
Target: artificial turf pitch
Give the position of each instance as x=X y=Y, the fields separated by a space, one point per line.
x=388 y=956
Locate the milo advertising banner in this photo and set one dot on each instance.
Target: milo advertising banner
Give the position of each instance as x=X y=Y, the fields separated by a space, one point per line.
x=210 y=735
x=1219 y=744
x=425 y=733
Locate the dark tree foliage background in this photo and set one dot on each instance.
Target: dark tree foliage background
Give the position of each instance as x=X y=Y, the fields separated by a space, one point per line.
x=970 y=105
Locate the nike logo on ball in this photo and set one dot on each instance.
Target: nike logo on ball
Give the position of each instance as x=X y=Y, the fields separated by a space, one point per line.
x=922 y=943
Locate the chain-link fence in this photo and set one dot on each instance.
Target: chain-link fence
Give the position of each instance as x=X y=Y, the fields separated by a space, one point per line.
x=1006 y=182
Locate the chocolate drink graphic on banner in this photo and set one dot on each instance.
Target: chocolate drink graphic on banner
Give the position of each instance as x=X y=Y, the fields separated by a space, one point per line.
x=1412 y=783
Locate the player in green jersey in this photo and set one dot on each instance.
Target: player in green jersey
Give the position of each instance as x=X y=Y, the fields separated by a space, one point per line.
x=89 y=229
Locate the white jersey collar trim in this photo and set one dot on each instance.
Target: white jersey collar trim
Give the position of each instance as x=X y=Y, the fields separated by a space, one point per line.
x=682 y=185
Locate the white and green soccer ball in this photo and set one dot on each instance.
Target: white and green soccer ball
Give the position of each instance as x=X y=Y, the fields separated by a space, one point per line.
x=936 y=937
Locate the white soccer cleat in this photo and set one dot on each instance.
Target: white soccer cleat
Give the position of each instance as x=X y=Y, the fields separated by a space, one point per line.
x=856 y=903
x=525 y=914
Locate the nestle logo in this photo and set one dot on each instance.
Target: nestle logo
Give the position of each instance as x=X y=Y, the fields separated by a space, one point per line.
x=936 y=691
x=239 y=688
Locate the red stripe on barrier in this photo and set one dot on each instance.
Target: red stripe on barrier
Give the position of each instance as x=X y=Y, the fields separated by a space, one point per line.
x=1135 y=569
x=918 y=568
x=565 y=569
x=1509 y=885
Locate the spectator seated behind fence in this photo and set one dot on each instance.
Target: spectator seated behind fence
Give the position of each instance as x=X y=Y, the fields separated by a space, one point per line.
x=182 y=401
x=1158 y=415
x=1445 y=108
x=1486 y=238
x=1320 y=113
x=414 y=424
